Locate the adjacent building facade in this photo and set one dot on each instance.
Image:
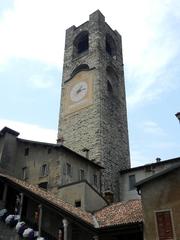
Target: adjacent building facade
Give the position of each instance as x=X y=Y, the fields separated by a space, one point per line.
x=129 y=177
x=49 y=166
x=161 y=204
x=60 y=220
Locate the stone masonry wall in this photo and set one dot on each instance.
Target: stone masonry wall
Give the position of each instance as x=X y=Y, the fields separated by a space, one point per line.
x=82 y=129
x=101 y=127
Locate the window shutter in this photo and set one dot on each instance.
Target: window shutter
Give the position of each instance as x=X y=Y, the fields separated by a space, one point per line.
x=71 y=174
x=40 y=171
x=64 y=169
x=27 y=172
x=47 y=171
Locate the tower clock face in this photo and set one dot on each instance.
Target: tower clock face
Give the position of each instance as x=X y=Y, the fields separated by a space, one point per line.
x=78 y=92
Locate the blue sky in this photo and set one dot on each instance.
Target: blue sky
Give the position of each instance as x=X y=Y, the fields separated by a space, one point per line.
x=31 y=57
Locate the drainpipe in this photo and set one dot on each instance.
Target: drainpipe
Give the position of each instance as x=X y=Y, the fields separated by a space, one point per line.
x=138 y=191
x=4 y=195
x=65 y=225
x=40 y=220
x=100 y=181
x=86 y=150
x=21 y=205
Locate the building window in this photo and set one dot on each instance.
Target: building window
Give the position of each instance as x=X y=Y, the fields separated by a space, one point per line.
x=43 y=185
x=78 y=203
x=81 y=43
x=164 y=224
x=110 y=46
x=112 y=81
x=132 y=182
x=82 y=174
x=95 y=180
x=26 y=151
x=44 y=170
x=24 y=173
x=68 y=169
x=109 y=87
x=49 y=150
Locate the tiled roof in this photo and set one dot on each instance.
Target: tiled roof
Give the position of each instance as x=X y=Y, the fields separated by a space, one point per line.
x=155 y=164
x=120 y=213
x=157 y=175
x=51 y=198
x=115 y=214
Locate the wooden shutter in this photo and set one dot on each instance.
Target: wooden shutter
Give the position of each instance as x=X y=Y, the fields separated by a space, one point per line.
x=164 y=225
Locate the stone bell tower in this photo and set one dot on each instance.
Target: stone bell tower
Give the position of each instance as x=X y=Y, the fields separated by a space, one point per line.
x=93 y=116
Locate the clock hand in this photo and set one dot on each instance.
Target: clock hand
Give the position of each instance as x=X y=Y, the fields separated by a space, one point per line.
x=80 y=89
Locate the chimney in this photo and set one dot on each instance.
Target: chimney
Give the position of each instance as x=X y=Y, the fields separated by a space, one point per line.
x=60 y=140
x=109 y=196
x=178 y=116
x=158 y=159
x=86 y=152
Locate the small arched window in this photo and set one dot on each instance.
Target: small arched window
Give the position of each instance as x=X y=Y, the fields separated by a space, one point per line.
x=81 y=43
x=112 y=81
x=110 y=45
x=109 y=86
x=82 y=67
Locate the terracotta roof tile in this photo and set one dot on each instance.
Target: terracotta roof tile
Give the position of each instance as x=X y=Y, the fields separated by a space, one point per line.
x=115 y=214
x=120 y=213
x=85 y=216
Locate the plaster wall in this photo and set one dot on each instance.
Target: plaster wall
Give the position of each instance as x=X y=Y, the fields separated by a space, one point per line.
x=93 y=201
x=56 y=159
x=159 y=194
x=89 y=198
x=8 y=148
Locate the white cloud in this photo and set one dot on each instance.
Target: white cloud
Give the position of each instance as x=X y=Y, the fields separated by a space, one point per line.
x=31 y=30
x=145 y=153
x=36 y=30
x=40 y=81
x=153 y=128
x=156 y=47
x=30 y=131
x=164 y=145
x=139 y=158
